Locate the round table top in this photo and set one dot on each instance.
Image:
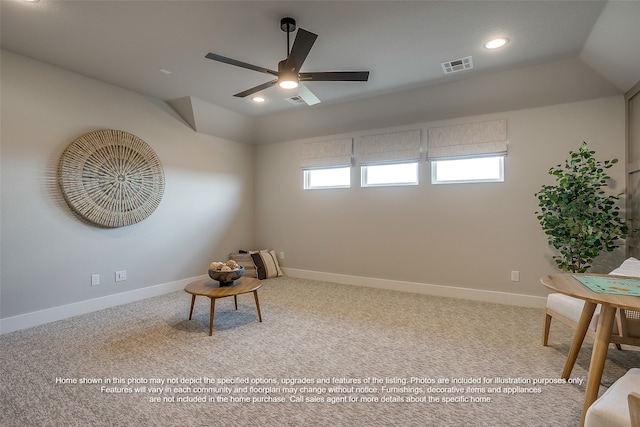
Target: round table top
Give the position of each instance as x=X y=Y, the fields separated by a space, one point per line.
x=568 y=285
x=212 y=289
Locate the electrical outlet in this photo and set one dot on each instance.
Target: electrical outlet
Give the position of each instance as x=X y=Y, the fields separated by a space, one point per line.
x=95 y=279
x=281 y=255
x=121 y=275
x=515 y=276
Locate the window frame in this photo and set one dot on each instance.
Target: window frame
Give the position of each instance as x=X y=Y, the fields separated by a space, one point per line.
x=364 y=175
x=307 y=179
x=434 y=171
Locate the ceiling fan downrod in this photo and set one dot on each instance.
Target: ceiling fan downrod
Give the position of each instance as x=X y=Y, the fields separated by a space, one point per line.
x=288 y=25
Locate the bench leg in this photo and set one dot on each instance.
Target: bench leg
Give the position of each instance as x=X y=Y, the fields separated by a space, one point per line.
x=255 y=295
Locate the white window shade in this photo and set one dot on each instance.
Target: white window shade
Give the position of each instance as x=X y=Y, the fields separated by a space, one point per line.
x=488 y=138
x=396 y=147
x=327 y=154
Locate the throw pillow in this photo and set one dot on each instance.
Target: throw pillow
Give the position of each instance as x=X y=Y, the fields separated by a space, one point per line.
x=266 y=262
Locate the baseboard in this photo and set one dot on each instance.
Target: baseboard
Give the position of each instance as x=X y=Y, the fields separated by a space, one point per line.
x=53 y=314
x=422 y=288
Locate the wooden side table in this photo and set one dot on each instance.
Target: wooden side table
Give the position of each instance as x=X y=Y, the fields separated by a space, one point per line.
x=568 y=285
x=212 y=289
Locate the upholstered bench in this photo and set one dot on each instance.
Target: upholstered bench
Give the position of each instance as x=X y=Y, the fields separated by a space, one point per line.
x=612 y=408
x=244 y=260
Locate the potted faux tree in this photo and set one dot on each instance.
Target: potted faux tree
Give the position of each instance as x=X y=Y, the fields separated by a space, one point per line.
x=578 y=217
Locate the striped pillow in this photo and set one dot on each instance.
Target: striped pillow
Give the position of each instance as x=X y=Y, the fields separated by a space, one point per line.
x=266 y=264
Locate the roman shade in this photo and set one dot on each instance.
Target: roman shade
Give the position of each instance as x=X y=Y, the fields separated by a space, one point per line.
x=327 y=154
x=479 y=139
x=395 y=147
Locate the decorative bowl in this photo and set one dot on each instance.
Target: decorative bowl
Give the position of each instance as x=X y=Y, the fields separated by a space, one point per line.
x=226 y=278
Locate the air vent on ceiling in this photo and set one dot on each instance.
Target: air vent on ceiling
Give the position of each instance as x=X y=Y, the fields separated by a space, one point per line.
x=457 y=65
x=296 y=100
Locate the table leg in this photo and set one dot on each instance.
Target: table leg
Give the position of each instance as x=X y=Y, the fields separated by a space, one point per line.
x=235 y=300
x=213 y=306
x=578 y=338
x=255 y=295
x=193 y=300
x=598 y=356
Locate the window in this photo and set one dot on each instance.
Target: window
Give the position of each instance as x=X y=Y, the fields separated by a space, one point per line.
x=327 y=164
x=474 y=169
x=327 y=178
x=389 y=158
x=389 y=174
x=468 y=152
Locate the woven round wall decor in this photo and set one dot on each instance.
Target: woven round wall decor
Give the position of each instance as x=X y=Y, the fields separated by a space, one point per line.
x=111 y=178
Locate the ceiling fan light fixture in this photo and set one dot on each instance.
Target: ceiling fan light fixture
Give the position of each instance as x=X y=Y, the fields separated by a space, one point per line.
x=286 y=83
x=287 y=77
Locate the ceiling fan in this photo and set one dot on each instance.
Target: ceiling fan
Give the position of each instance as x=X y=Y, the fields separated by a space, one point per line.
x=288 y=75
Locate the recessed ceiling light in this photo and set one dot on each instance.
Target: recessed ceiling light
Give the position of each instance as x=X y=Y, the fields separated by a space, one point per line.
x=258 y=99
x=496 y=43
x=165 y=71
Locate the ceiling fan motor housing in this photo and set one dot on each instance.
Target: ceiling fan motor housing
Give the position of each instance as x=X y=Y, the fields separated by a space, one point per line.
x=282 y=68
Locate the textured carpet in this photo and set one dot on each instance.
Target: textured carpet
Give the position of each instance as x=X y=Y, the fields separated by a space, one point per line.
x=356 y=338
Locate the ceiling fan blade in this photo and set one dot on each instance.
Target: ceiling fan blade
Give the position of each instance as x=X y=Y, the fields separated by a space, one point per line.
x=237 y=63
x=256 y=89
x=301 y=46
x=307 y=96
x=335 y=76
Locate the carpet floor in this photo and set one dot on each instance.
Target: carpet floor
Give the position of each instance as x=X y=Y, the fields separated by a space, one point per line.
x=325 y=355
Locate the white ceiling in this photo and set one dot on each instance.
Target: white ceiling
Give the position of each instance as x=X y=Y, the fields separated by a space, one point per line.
x=402 y=43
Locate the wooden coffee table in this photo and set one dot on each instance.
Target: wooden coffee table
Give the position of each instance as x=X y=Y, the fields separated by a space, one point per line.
x=212 y=289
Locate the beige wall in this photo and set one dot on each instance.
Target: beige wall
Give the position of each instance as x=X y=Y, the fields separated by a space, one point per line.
x=557 y=82
x=222 y=195
x=48 y=255
x=459 y=235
